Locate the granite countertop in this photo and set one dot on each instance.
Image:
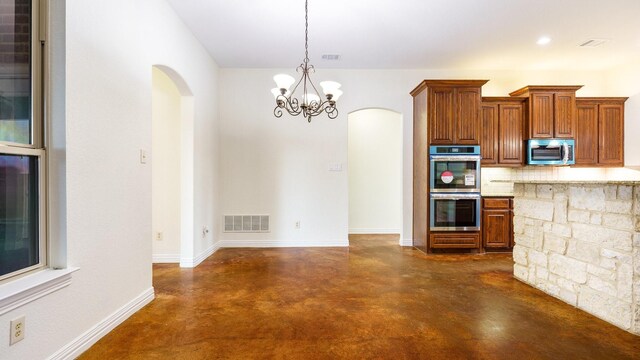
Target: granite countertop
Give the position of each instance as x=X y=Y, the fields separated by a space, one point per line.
x=577 y=182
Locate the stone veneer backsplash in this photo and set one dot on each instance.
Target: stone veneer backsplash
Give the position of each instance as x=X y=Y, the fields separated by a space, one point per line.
x=581 y=244
x=488 y=174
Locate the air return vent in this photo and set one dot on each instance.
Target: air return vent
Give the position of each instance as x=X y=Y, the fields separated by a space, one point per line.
x=246 y=223
x=331 y=57
x=593 y=42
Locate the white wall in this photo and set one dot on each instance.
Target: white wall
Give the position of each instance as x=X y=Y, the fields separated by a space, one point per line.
x=625 y=81
x=165 y=168
x=279 y=166
x=110 y=49
x=375 y=172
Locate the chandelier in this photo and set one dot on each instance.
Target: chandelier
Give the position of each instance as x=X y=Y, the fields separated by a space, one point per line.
x=309 y=104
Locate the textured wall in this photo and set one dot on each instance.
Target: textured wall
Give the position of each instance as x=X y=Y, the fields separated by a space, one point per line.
x=581 y=243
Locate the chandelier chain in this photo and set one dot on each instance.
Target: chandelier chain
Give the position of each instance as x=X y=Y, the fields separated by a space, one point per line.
x=306 y=31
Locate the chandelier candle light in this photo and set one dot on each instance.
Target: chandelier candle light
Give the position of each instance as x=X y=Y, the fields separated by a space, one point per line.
x=309 y=104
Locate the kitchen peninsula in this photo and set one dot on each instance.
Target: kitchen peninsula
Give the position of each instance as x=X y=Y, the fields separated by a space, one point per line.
x=580 y=242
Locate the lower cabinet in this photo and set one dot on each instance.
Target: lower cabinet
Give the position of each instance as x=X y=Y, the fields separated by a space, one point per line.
x=454 y=240
x=497 y=223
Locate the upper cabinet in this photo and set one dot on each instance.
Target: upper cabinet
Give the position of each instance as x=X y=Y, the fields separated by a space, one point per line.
x=502 y=131
x=600 y=132
x=550 y=111
x=453 y=110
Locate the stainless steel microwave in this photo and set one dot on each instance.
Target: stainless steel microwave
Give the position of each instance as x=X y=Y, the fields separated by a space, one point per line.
x=551 y=152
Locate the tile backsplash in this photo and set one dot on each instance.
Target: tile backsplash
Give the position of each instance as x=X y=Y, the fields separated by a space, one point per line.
x=548 y=173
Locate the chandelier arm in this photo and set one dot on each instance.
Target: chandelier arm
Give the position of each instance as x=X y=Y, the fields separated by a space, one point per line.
x=300 y=68
x=332 y=111
x=290 y=105
x=314 y=88
x=293 y=107
x=317 y=108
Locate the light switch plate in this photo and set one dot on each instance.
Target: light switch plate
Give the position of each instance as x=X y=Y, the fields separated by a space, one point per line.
x=335 y=167
x=143 y=156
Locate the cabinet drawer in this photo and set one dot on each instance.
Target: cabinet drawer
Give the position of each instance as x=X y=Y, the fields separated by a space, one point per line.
x=496 y=203
x=455 y=240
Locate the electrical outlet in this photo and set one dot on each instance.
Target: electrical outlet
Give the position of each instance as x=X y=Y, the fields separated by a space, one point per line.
x=298 y=224
x=17 y=330
x=159 y=235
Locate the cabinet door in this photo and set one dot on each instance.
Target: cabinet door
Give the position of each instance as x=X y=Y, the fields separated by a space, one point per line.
x=510 y=137
x=564 y=116
x=611 y=134
x=541 y=117
x=586 y=151
x=489 y=143
x=467 y=119
x=496 y=228
x=441 y=115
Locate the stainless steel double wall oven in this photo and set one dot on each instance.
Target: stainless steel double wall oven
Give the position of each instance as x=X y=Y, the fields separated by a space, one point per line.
x=454 y=188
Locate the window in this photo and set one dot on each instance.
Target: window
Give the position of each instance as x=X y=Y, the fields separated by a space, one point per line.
x=22 y=153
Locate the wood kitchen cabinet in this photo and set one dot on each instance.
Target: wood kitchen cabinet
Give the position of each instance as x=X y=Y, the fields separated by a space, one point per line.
x=502 y=138
x=549 y=111
x=453 y=110
x=454 y=240
x=445 y=112
x=600 y=131
x=497 y=223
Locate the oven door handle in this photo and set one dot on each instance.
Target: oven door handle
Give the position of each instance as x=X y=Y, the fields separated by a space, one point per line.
x=454 y=158
x=456 y=196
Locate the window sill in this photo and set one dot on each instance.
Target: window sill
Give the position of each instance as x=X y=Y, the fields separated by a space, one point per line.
x=32 y=287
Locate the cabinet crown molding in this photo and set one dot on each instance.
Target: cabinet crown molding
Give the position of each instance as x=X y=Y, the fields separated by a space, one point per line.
x=601 y=99
x=453 y=83
x=533 y=88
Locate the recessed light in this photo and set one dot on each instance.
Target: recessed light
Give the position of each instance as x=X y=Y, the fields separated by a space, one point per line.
x=544 y=40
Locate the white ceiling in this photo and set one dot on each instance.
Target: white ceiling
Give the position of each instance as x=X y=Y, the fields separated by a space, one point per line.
x=416 y=34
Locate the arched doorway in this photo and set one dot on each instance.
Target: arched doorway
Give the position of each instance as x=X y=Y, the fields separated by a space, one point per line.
x=172 y=168
x=375 y=172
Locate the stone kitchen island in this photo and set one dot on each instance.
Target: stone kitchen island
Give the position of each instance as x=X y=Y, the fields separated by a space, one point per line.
x=580 y=242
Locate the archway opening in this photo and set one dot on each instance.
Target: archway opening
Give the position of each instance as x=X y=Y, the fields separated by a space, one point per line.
x=375 y=173
x=172 y=168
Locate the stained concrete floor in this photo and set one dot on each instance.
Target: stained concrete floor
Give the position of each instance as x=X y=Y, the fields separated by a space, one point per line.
x=373 y=300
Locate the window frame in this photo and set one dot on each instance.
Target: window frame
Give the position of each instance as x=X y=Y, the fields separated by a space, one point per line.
x=36 y=147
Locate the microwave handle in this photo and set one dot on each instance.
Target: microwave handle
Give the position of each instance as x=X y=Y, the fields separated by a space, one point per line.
x=565 y=151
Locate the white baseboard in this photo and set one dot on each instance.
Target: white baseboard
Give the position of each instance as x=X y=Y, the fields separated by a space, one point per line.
x=86 y=340
x=406 y=242
x=374 y=231
x=282 y=243
x=193 y=262
x=165 y=258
